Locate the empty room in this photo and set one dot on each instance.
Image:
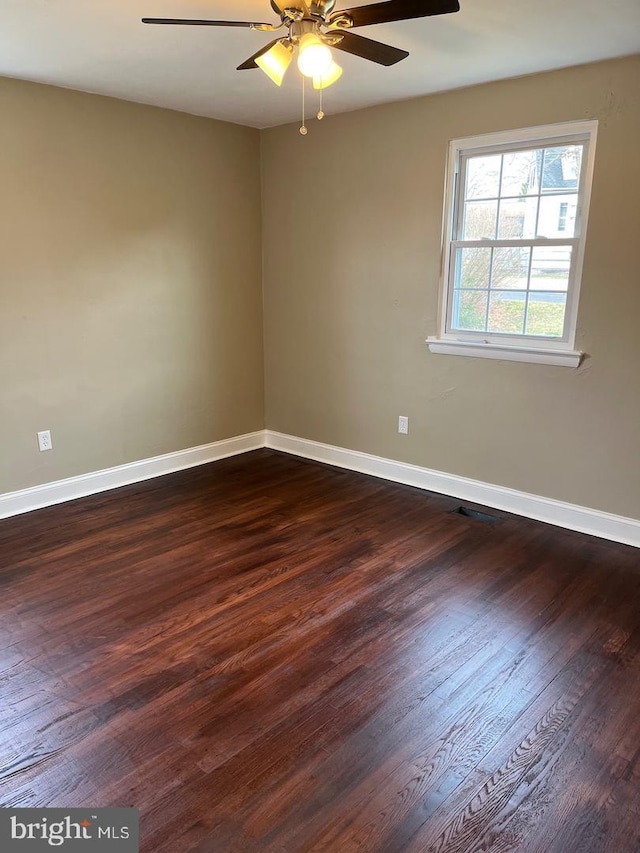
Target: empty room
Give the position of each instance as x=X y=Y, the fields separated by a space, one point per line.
x=319 y=426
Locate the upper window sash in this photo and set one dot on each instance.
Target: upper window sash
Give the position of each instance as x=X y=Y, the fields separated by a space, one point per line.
x=463 y=155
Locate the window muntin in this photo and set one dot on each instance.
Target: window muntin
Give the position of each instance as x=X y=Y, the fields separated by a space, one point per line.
x=515 y=239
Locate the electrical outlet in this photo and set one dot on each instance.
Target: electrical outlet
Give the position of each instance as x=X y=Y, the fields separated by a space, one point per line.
x=403 y=424
x=44 y=440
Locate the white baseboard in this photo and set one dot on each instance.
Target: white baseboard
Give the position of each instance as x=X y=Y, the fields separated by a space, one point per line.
x=605 y=525
x=36 y=497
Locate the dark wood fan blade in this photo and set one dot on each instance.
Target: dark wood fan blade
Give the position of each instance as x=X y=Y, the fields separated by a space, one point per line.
x=397 y=10
x=375 y=51
x=251 y=62
x=190 y=22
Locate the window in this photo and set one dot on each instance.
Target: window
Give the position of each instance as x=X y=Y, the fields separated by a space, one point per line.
x=515 y=225
x=562 y=216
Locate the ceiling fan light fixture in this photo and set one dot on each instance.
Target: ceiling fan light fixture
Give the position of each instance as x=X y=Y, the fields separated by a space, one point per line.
x=314 y=57
x=314 y=27
x=333 y=73
x=276 y=61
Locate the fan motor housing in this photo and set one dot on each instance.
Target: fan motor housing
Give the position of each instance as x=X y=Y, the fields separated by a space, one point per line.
x=317 y=10
x=321 y=8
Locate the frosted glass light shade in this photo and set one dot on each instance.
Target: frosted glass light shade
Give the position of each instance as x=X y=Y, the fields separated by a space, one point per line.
x=333 y=73
x=275 y=62
x=314 y=57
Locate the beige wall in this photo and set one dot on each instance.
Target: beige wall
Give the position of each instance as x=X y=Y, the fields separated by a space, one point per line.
x=130 y=282
x=130 y=298
x=352 y=225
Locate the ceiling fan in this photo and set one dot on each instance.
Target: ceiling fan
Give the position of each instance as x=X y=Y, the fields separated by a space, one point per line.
x=313 y=27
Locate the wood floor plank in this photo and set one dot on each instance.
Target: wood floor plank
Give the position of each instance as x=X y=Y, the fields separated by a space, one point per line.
x=268 y=654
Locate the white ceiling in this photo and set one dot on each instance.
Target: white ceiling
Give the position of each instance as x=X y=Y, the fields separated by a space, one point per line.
x=101 y=46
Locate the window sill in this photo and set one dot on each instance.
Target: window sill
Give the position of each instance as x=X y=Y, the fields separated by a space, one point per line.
x=478 y=349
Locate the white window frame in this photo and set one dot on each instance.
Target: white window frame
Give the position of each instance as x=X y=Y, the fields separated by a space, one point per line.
x=514 y=347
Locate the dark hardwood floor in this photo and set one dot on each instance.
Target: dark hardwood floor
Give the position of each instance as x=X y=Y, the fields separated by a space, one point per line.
x=270 y=654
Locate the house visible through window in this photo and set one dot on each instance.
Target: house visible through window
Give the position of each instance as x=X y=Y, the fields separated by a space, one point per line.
x=516 y=222
x=562 y=216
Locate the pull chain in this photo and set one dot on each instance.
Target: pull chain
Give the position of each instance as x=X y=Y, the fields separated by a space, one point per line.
x=303 y=127
x=320 y=112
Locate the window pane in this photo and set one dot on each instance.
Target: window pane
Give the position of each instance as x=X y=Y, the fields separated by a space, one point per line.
x=510 y=268
x=517 y=218
x=469 y=310
x=480 y=220
x=545 y=314
x=521 y=173
x=483 y=177
x=557 y=216
x=550 y=268
x=472 y=268
x=506 y=312
x=561 y=168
